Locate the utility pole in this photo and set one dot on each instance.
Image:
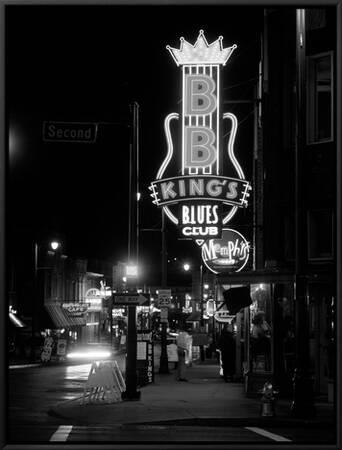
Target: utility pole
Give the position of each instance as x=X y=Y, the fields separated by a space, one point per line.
x=34 y=301
x=131 y=392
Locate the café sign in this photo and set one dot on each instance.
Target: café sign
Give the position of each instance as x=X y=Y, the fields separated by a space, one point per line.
x=197 y=196
x=75 y=309
x=228 y=254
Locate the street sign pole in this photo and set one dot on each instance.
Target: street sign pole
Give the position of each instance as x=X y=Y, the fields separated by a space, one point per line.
x=131 y=392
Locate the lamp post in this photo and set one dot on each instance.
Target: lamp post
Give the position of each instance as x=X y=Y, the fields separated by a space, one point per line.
x=187 y=268
x=164 y=362
x=54 y=246
x=131 y=392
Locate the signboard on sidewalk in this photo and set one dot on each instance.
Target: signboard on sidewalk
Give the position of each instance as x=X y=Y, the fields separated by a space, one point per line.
x=145 y=368
x=172 y=354
x=61 y=347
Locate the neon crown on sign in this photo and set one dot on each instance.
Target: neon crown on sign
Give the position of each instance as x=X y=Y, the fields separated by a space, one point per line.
x=201 y=52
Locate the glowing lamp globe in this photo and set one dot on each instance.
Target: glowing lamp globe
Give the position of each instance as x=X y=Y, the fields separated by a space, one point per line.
x=54 y=245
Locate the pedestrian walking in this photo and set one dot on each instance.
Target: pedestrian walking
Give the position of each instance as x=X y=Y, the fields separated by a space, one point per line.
x=226 y=345
x=182 y=342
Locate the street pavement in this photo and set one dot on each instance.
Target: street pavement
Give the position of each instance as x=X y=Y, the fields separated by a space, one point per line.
x=204 y=409
x=204 y=400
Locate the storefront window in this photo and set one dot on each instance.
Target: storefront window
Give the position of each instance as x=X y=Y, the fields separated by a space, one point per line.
x=260 y=328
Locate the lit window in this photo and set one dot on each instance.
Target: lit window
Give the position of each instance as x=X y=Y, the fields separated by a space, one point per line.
x=320 y=98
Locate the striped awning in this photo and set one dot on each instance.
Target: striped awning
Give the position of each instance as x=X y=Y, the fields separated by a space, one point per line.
x=61 y=318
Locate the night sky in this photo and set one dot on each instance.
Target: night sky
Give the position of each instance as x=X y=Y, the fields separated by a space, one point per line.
x=87 y=64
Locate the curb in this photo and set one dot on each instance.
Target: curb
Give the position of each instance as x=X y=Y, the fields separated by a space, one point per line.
x=262 y=422
x=244 y=421
x=23 y=366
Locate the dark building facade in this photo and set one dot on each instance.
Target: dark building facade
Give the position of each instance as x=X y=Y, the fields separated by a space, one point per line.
x=293 y=280
x=299 y=155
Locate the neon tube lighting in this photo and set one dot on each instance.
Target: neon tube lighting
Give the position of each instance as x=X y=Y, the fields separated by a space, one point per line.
x=169 y=143
x=231 y=143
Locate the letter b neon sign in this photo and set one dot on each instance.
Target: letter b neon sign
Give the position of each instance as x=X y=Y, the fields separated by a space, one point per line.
x=199 y=150
x=199 y=95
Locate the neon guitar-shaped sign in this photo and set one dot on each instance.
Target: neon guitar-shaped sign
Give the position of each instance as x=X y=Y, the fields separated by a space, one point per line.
x=200 y=200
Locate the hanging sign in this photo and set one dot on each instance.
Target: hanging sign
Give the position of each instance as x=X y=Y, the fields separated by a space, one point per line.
x=223 y=316
x=228 y=254
x=201 y=199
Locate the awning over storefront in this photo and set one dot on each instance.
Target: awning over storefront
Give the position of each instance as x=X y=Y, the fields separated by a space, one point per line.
x=60 y=317
x=252 y=277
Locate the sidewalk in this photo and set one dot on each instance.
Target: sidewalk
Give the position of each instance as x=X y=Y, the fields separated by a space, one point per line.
x=204 y=400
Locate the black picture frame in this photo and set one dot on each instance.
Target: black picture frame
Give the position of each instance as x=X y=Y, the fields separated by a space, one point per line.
x=338 y=244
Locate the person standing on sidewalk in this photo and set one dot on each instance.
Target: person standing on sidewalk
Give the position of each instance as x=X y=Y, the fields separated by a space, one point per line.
x=182 y=342
x=226 y=345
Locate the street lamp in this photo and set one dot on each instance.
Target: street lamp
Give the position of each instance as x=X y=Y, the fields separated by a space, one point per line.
x=54 y=245
x=131 y=392
x=187 y=267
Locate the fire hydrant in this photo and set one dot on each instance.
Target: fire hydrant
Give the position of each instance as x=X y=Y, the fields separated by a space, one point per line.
x=268 y=400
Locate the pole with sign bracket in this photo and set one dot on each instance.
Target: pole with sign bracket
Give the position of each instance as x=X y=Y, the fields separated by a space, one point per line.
x=132 y=299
